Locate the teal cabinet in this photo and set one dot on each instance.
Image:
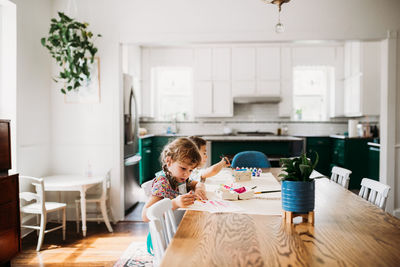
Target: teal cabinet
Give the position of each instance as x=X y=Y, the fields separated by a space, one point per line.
x=150 y=149
x=146 y=151
x=321 y=145
x=373 y=162
x=273 y=149
x=352 y=154
x=158 y=145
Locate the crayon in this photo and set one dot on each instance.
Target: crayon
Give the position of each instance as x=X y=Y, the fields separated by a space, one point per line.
x=263 y=192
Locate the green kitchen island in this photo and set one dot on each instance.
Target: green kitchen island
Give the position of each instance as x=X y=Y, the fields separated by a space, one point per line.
x=275 y=147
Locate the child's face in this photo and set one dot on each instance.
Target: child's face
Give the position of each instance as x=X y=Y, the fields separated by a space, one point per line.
x=203 y=153
x=180 y=170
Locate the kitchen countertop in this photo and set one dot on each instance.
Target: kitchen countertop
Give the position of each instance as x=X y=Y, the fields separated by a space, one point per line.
x=374 y=144
x=222 y=137
x=346 y=137
x=250 y=138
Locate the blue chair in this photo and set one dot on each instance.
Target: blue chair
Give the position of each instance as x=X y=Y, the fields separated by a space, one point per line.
x=251 y=159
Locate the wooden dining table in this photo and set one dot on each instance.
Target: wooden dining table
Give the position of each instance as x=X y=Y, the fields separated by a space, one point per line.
x=348 y=231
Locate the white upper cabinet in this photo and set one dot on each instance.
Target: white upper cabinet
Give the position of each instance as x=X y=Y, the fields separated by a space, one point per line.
x=268 y=63
x=256 y=70
x=243 y=64
x=203 y=64
x=221 y=64
x=212 y=85
x=362 y=79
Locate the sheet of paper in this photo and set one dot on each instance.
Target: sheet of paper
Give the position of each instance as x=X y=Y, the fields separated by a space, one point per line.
x=263 y=204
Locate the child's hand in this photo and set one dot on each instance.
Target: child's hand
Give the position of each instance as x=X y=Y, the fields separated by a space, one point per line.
x=200 y=191
x=185 y=200
x=225 y=162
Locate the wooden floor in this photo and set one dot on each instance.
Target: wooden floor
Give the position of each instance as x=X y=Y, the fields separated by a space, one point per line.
x=99 y=248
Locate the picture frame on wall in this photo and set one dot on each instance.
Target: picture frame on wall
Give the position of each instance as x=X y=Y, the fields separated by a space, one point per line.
x=90 y=93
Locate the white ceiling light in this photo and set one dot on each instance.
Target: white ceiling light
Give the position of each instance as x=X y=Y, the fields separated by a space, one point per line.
x=279 y=28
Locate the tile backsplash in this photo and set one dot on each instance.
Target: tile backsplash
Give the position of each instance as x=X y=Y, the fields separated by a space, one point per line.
x=253 y=117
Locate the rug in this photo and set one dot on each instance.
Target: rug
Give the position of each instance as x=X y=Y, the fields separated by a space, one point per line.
x=135 y=255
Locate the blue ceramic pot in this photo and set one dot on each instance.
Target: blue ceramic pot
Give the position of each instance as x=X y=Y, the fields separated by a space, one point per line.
x=298 y=196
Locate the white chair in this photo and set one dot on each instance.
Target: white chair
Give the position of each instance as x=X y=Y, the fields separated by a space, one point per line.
x=162 y=227
x=40 y=207
x=375 y=192
x=147 y=186
x=103 y=200
x=341 y=176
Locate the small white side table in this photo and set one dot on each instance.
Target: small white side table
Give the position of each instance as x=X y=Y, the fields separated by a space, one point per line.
x=62 y=183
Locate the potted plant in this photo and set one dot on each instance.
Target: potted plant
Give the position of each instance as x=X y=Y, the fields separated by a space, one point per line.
x=71 y=45
x=298 y=190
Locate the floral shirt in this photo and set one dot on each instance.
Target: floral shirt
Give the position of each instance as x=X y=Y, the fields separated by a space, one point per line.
x=162 y=188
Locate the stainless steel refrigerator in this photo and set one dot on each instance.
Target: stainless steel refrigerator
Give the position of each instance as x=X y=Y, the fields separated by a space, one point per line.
x=131 y=153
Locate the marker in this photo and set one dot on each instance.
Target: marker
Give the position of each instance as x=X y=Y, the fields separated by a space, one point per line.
x=264 y=192
x=222 y=156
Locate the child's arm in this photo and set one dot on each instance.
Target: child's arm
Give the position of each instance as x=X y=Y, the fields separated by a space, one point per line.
x=216 y=168
x=178 y=202
x=199 y=189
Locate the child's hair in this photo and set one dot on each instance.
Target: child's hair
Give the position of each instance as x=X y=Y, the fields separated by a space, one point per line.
x=183 y=150
x=198 y=141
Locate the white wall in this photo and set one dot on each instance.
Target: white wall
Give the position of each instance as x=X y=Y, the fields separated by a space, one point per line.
x=187 y=21
x=33 y=87
x=8 y=70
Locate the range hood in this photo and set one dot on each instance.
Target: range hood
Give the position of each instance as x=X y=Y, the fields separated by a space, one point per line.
x=245 y=99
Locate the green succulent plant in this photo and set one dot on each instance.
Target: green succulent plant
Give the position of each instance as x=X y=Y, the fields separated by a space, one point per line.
x=298 y=168
x=71 y=45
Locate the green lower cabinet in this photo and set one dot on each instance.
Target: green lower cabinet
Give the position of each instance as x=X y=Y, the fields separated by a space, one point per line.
x=373 y=162
x=321 y=145
x=352 y=154
x=145 y=164
x=273 y=149
x=158 y=145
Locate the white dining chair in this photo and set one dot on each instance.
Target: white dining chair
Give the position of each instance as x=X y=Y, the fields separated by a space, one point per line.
x=341 y=176
x=101 y=199
x=375 y=192
x=162 y=227
x=35 y=203
x=147 y=186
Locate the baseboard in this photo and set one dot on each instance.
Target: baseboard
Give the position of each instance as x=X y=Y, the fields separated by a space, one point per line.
x=396 y=213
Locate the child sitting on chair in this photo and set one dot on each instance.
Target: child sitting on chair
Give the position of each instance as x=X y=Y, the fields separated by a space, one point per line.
x=179 y=158
x=202 y=174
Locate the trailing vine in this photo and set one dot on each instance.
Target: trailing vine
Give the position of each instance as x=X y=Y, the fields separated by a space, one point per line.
x=71 y=45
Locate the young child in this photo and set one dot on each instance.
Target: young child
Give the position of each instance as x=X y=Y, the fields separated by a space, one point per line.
x=179 y=158
x=202 y=174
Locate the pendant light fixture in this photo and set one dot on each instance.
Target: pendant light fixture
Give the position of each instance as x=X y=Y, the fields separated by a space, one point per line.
x=279 y=28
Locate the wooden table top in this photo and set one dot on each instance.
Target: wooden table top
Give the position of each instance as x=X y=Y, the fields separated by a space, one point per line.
x=348 y=230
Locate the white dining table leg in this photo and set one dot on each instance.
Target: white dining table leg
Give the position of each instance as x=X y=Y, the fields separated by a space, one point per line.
x=83 y=210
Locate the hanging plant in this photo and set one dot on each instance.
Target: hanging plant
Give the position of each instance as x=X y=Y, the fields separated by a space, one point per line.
x=71 y=45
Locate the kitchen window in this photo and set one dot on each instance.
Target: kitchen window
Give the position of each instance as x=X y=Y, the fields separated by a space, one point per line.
x=173 y=87
x=311 y=85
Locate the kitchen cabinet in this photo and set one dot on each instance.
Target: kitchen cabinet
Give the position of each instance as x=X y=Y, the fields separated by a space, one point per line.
x=274 y=150
x=158 y=145
x=212 y=85
x=150 y=149
x=373 y=161
x=362 y=78
x=322 y=146
x=256 y=71
x=145 y=164
x=352 y=154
